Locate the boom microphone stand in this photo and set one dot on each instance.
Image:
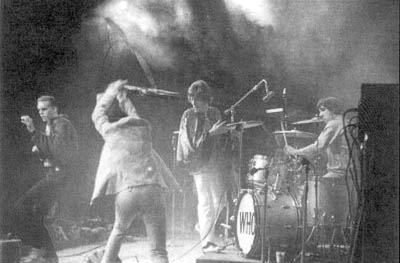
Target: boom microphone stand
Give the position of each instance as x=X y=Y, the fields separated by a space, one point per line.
x=232 y=111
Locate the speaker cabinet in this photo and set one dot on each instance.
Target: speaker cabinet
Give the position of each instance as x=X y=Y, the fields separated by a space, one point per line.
x=378 y=239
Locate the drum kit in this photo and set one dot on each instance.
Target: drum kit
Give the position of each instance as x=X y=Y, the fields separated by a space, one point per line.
x=280 y=207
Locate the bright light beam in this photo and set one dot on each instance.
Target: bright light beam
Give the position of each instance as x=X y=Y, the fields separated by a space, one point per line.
x=114 y=26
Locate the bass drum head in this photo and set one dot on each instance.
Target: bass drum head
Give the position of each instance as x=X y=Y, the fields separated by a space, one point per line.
x=246 y=224
x=282 y=230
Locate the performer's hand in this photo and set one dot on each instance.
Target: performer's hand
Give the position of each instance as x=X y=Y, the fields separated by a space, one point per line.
x=115 y=87
x=218 y=128
x=27 y=120
x=35 y=149
x=290 y=150
x=121 y=96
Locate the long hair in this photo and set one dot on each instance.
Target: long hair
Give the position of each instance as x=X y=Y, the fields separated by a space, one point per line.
x=200 y=90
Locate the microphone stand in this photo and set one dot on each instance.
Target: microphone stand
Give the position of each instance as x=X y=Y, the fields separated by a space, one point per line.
x=232 y=111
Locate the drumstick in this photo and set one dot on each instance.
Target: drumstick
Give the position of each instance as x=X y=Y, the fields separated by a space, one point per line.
x=284 y=134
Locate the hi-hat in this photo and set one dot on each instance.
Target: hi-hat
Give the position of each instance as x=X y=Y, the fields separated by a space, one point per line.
x=296 y=134
x=244 y=124
x=313 y=120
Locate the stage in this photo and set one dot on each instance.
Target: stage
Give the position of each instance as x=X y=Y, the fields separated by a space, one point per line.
x=181 y=249
x=230 y=255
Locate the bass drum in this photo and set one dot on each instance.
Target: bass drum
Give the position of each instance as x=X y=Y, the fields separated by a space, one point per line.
x=282 y=232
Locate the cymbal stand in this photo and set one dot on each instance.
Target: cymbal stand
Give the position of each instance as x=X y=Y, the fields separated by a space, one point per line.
x=316 y=212
x=285 y=117
x=264 y=226
x=307 y=164
x=303 y=236
x=174 y=141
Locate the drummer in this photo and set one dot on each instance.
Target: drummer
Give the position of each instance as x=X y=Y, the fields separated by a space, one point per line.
x=331 y=140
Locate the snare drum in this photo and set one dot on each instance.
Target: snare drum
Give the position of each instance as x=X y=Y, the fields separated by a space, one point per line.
x=259 y=164
x=282 y=232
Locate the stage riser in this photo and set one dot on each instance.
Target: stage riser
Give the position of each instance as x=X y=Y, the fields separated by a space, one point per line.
x=226 y=257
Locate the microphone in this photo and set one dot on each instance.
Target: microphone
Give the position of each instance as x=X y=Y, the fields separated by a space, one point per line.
x=268 y=93
x=268 y=96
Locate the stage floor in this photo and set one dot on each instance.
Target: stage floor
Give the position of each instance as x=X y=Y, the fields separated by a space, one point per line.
x=229 y=255
x=181 y=249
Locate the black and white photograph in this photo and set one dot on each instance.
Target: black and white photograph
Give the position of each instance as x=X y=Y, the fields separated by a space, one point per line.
x=199 y=131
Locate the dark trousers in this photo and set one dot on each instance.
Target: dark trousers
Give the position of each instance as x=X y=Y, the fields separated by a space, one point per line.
x=31 y=210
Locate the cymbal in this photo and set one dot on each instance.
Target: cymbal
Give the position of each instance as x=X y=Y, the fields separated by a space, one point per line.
x=313 y=120
x=244 y=124
x=296 y=134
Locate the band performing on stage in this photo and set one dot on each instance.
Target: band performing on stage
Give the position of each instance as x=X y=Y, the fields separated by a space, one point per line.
x=199 y=131
x=300 y=202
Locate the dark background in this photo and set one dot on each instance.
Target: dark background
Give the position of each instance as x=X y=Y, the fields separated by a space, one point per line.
x=313 y=49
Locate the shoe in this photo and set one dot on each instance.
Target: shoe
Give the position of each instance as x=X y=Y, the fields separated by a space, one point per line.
x=211 y=248
x=96 y=256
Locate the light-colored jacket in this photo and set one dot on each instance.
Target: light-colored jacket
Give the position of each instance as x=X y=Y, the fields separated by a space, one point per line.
x=333 y=141
x=127 y=159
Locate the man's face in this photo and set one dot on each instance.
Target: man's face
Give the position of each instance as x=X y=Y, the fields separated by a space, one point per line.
x=325 y=114
x=198 y=105
x=46 y=110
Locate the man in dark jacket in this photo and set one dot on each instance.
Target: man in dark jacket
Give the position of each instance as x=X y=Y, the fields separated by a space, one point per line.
x=57 y=148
